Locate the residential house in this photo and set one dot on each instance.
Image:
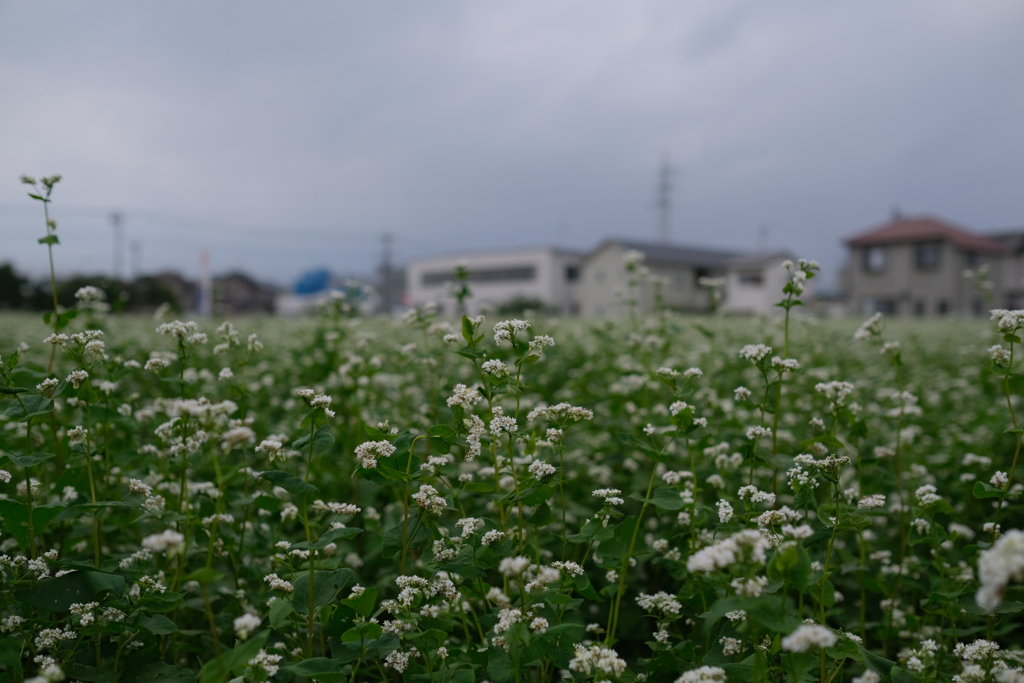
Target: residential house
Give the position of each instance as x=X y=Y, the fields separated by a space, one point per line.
x=237 y=293
x=915 y=266
x=544 y=277
x=604 y=281
x=754 y=282
x=1011 y=283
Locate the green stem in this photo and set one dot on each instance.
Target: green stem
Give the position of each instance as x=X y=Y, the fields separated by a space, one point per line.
x=613 y=616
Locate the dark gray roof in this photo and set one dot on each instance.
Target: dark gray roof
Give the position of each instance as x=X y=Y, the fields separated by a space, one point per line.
x=760 y=259
x=1013 y=239
x=657 y=253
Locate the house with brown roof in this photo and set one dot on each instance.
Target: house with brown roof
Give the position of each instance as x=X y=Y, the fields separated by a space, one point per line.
x=915 y=267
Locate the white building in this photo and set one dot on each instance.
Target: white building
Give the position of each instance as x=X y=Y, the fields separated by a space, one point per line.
x=753 y=283
x=546 y=275
x=604 y=281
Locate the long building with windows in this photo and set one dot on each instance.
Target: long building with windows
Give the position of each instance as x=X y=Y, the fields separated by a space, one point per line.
x=541 y=278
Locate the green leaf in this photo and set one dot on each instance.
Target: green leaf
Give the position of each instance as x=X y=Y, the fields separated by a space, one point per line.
x=792 y=566
x=878 y=664
x=499 y=666
x=11 y=391
x=289 y=483
x=279 y=612
x=664 y=498
x=327 y=538
x=983 y=490
x=218 y=670
x=158 y=624
x=364 y=604
x=373 y=433
x=326 y=586
x=49 y=239
x=34 y=405
x=159 y=672
x=585 y=588
x=10 y=656
x=323 y=440
x=15 y=518
x=57 y=595
x=464 y=675
x=392 y=544
x=542 y=516
x=29 y=460
x=312 y=668
x=91 y=674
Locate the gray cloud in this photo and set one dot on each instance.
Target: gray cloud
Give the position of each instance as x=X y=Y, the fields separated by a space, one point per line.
x=284 y=136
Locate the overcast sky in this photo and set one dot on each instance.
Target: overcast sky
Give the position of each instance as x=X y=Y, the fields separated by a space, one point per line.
x=282 y=136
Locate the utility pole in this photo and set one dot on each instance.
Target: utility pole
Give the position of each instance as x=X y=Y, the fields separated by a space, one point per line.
x=664 y=200
x=136 y=248
x=384 y=275
x=116 y=221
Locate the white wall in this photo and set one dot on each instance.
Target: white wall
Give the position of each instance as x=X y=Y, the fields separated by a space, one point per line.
x=549 y=283
x=758 y=299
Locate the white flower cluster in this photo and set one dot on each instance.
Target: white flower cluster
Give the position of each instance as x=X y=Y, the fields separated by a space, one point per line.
x=464 y=397
x=539 y=469
x=495 y=368
x=872 y=327
x=875 y=500
x=746 y=546
x=998 y=566
x=429 y=499
x=756 y=495
x=368 y=452
x=277 y=583
x=755 y=353
x=703 y=674
x=183 y=332
x=809 y=636
x=926 y=495
x=506 y=330
x=836 y=392
x=168 y=541
x=610 y=496
x=659 y=602
x=561 y=411
x=1008 y=321
x=476 y=429
x=246 y=624
x=269 y=663
x=500 y=423
x=597 y=660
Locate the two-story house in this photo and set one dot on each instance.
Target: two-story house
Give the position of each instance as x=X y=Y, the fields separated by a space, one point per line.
x=915 y=266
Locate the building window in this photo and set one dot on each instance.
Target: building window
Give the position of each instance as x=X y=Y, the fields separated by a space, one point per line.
x=874 y=259
x=698 y=273
x=927 y=254
x=572 y=273
x=919 y=308
x=971 y=259
x=883 y=306
x=753 y=278
x=507 y=274
x=943 y=307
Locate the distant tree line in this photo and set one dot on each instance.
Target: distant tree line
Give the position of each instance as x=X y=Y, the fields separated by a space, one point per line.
x=142 y=294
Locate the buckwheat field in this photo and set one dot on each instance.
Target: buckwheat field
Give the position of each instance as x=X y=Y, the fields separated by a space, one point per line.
x=647 y=498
